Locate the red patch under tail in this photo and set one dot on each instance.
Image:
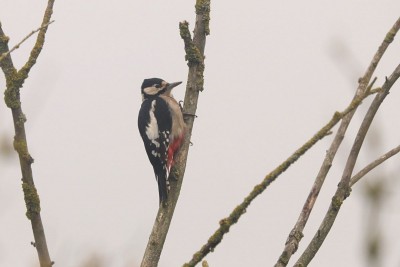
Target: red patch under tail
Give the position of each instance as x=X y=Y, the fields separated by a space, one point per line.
x=173 y=147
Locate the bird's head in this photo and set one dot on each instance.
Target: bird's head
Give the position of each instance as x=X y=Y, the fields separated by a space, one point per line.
x=155 y=87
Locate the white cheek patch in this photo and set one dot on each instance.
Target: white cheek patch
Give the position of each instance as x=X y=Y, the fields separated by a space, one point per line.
x=152 y=127
x=151 y=90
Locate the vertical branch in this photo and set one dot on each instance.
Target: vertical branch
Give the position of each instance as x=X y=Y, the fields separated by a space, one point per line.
x=296 y=233
x=195 y=56
x=14 y=81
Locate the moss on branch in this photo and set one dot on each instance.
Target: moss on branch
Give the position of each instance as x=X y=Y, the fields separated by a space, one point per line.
x=239 y=210
x=193 y=55
x=203 y=9
x=22 y=149
x=32 y=200
x=14 y=82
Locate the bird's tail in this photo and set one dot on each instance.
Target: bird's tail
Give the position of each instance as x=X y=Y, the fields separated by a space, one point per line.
x=163 y=183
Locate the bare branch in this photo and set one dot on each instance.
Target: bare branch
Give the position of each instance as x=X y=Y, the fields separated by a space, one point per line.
x=344 y=189
x=23 y=40
x=233 y=218
x=373 y=165
x=6 y=63
x=296 y=233
x=37 y=48
x=14 y=81
x=195 y=56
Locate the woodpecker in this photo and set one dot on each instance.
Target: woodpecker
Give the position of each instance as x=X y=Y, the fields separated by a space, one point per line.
x=162 y=128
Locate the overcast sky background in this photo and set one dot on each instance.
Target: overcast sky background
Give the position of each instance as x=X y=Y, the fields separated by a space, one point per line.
x=275 y=73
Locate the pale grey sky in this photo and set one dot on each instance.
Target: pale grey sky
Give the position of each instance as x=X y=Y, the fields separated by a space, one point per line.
x=275 y=73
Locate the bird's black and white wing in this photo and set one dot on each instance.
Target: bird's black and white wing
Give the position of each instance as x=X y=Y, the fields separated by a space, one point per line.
x=154 y=123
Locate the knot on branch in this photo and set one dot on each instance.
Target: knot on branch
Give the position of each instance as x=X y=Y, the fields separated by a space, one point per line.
x=342 y=193
x=32 y=200
x=12 y=94
x=4 y=39
x=344 y=189
x=21 y=120
x=296 y=235
x=224 y=223
x=293 y=241
x=390 y=36
x=22 y=149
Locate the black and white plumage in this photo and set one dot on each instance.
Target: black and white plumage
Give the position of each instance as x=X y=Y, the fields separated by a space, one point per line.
x=161 y=127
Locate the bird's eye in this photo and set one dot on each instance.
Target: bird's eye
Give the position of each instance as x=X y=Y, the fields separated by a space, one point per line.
x=157 y=85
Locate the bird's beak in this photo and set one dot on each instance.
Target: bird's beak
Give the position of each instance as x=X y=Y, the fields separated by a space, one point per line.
x=172 y=85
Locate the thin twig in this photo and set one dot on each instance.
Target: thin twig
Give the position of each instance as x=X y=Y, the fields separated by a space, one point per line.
x=344 y=189
x=195 y=56
x=23 y=40
x=373 y=165
x=14 y=81
x=296 y=233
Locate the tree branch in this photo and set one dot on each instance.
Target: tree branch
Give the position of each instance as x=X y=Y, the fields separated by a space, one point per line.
x=2 y=56
x=344 y=189
x=296 y=233
x=195 y=56
x=373 y=165
x=14 y=82
x=37 y=48
x=233 y=218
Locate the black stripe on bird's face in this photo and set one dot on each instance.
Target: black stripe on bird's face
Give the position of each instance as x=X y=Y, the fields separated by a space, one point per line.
x=153 y=87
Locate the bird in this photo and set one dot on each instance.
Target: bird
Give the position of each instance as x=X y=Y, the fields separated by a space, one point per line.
x=162 y=128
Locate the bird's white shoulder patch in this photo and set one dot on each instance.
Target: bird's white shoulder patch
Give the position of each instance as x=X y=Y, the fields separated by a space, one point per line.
x=152 y=127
